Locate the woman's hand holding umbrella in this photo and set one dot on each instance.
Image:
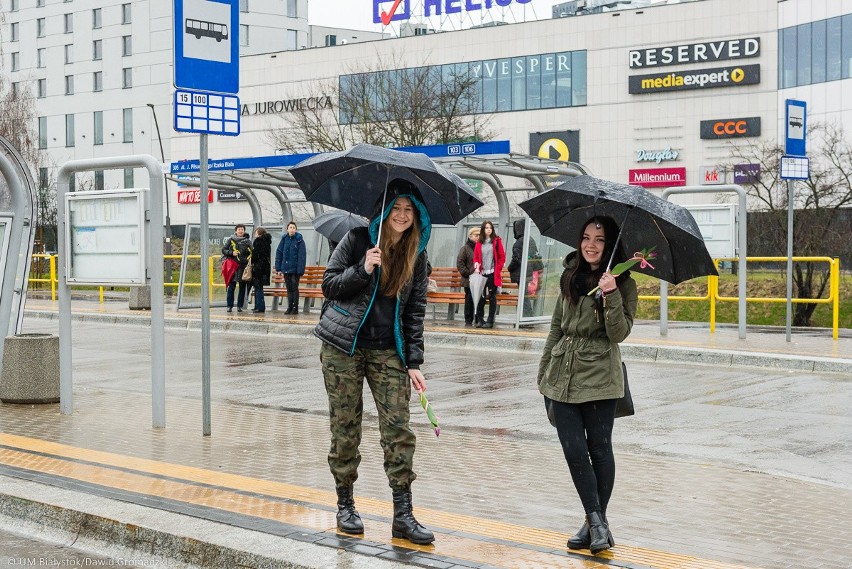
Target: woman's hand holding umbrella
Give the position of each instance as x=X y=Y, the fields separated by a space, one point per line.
x=372 y=260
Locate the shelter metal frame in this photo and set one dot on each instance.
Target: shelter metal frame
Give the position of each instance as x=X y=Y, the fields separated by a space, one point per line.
x=489 y=169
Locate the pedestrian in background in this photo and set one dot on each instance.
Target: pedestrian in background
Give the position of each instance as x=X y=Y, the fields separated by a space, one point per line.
x=261 y=266
x=464 y=264
x=371 y=326
x=290 y=259
x=238 y=247
x=580 y=373
x=489 y=256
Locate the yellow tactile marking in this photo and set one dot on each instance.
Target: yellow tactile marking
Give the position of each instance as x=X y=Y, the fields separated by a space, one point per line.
x=104 y=474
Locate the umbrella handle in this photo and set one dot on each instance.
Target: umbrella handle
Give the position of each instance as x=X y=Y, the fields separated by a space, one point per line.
x=618 y=239
x=382 y=209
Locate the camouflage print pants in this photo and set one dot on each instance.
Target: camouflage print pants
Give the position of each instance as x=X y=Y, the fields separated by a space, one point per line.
x=391 y=388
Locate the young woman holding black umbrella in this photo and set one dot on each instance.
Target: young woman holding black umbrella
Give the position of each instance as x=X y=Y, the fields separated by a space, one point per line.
x=371 y=326
x=580 y=373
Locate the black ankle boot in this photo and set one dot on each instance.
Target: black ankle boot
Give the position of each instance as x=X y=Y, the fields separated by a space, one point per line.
x=348 y=520
x=600 y=536
x=404 y=524
x=582 y=539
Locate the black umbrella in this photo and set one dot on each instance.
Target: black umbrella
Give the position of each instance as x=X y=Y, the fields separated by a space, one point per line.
x=336 y=224
x=354 y=180
x=646 y=221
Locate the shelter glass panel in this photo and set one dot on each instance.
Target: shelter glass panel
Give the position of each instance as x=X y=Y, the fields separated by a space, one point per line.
x=189 y=286
x=444 y=245
x=543 y=302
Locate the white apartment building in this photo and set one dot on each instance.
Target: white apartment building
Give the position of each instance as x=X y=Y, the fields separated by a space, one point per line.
x=101 y=70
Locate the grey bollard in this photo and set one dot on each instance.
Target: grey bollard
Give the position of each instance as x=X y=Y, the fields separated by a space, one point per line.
x=30 y=372
x=140 y=297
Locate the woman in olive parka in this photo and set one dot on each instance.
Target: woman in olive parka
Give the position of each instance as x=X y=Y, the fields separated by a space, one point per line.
x=580 y=374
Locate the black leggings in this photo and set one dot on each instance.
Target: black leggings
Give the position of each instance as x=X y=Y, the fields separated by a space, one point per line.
x=585 y=431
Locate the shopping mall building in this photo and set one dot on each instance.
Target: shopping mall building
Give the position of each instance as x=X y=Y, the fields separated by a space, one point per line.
x=654 y=96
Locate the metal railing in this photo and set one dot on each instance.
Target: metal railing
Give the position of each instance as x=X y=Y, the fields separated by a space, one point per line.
x=712 y=295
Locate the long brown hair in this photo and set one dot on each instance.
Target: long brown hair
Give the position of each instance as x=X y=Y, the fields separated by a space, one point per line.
x=399 y=258
x=482 y=231
x=582 y=268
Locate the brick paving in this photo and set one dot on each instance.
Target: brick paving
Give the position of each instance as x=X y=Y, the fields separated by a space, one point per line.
x=723 y=466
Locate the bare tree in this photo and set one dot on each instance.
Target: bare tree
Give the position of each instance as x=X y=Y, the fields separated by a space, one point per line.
x=817 y=228
x=389 y=106
x=18 y=124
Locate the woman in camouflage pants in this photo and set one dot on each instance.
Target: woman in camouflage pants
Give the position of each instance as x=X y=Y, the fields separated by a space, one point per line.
x=372 y=327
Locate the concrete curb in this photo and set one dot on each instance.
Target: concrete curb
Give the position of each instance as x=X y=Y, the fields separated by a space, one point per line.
x=125 y=531
x=494 y=342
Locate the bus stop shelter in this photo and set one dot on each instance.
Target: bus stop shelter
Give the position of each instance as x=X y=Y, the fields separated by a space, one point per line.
x=501 y=177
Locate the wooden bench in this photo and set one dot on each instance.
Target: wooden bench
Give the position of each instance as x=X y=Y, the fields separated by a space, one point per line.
x=450 y=291
x=310 y=287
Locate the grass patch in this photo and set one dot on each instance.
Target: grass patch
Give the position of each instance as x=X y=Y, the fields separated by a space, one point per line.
x=759 y=285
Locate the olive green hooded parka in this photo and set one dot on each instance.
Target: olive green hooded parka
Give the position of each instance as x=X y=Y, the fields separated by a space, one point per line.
x=582 y=360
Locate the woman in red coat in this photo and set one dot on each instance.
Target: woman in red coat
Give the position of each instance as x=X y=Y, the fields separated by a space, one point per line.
x=489 y=256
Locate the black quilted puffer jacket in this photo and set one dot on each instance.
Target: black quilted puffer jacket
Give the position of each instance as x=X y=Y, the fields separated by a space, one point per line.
x=349 y=291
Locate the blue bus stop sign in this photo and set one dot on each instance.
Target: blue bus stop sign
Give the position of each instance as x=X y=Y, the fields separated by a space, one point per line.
x=207 y=46
x=796 y=127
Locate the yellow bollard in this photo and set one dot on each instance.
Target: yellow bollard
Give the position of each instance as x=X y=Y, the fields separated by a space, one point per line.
x=53 y=279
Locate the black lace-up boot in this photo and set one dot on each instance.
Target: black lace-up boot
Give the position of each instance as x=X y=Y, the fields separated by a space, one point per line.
x=404 y=524
x=348 y=520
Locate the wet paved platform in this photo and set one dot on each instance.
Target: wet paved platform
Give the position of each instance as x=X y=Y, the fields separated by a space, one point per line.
x=723 y=470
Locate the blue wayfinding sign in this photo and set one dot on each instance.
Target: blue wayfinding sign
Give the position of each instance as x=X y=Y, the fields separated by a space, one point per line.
x=284 y=161
x=206 y=45
x=795 y=128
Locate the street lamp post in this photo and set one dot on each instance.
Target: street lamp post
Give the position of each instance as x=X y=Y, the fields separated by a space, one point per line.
x=167 y=248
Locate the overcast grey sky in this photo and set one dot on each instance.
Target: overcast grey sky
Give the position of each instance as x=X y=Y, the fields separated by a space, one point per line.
x=358 y=14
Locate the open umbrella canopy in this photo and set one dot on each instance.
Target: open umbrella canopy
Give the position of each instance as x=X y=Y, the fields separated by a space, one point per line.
x=334 y=225
x=646 y=221
x=354 y=180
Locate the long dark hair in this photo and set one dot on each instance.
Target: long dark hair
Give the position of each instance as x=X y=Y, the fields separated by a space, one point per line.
x=582 y=269
x=482 y=231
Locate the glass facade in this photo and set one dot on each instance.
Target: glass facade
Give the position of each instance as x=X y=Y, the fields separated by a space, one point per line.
x=815 y=52
x=543 y=81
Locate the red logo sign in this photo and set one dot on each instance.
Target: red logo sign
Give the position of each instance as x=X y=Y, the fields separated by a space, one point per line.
x=193 y=196
x=658 y=177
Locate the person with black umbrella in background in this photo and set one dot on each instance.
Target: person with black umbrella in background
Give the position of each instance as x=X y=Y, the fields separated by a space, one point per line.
x=371 y=326
x=580 y=373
